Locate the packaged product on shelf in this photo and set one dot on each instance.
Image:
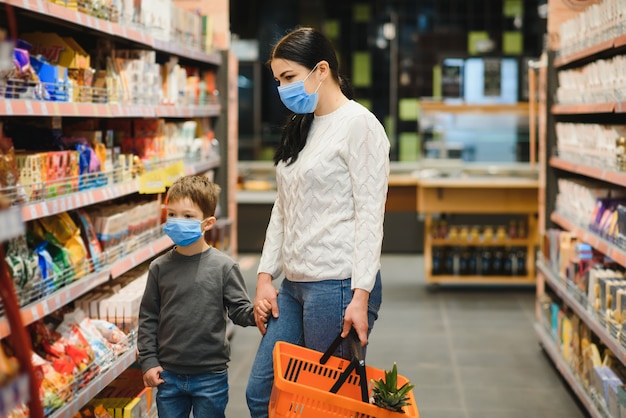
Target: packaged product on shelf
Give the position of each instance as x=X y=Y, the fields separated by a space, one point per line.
x=81 y=82
x=57 y=50
x=111 y=228
x=93 y=411
x=66 y=246
x=129 y=386
x=9 y=367
x=9 y=172
x=49 y=270
x=53 y=79
x=21 y=80
x=88 y=234
x=24 y=269
x=55 y=388
x=156 y=18
x=61 y=172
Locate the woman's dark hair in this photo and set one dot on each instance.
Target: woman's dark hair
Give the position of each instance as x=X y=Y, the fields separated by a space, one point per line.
x=307 y=47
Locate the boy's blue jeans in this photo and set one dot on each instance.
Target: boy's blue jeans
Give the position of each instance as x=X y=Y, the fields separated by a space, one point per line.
x=205 y=394
x=310 y=314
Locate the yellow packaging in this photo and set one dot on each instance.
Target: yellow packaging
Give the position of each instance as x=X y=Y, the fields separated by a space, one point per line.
x=57 y=50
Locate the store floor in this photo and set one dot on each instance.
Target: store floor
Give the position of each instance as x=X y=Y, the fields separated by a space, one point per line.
x=471 y=352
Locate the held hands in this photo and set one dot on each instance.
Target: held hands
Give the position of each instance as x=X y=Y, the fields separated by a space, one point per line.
x=264 y=301
x=152 y=377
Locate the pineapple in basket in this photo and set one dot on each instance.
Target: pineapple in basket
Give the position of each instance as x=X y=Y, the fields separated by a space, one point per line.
x=388 y=395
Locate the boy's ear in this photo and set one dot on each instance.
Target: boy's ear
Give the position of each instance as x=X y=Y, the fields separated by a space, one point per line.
x=209 y=222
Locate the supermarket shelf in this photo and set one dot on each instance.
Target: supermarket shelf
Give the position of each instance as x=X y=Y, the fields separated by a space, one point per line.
x=200 y=167
x=20 y=107
x=56 y=300
x=13 y=394
x=493 y=280
x=52 y=206
x=585 y=53
x=577 y=109
x=61 y=13
x=77 y=200
x=11 y=224
x=137 y=257
x=96 y=385
x=553 y=351
x=610 y=176
x=597 y=242
x=506 y=243
x=63 y=296
x=557 y=284
x=251 y=197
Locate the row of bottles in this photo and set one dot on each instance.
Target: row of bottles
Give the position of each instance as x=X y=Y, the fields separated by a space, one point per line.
x=477 y=261
x=515 y=230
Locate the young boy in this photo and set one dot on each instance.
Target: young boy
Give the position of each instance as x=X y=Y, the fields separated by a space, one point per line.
x=182 y=320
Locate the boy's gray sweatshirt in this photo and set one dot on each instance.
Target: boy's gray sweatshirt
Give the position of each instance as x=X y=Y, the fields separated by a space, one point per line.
x=182 y=318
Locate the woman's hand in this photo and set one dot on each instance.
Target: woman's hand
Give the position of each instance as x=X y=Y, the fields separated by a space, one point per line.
x=152 y=377
x=356 y=315
x=264 y=301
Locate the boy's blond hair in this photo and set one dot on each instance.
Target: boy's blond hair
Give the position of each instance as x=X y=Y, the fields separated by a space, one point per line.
x=199 y=189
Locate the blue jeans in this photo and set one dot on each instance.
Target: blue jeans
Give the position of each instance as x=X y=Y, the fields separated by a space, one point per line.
x=310 y=314
x=205 y=394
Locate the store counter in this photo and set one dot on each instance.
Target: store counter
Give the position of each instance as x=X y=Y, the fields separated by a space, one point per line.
x=415 y=189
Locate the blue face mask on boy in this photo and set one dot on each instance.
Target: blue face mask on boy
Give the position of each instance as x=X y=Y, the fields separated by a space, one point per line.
x=295 y=97
x=183 y=231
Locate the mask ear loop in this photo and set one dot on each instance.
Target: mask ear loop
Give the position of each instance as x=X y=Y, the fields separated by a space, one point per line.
x=309 y=74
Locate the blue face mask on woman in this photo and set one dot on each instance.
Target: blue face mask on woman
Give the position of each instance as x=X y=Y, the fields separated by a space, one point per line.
x=295 y=97
x=183 y=231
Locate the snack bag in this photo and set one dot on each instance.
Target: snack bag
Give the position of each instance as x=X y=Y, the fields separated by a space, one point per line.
x=90 y=239
x=59 y=228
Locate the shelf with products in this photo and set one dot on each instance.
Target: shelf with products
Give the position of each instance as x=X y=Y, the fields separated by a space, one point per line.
x=596 y=241
x=512 y=198
x=564 y=369
x=558 y=285
x=47 y=206
x=84 y=395
x=151 y=244
x=205 y=95
x=599 y=173
x=13 y=394
x=582 y=184
x=59 y=13
x=584 y=109
x=19 y=107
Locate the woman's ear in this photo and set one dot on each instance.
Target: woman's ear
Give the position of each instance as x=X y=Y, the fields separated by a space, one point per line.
x=324 y=69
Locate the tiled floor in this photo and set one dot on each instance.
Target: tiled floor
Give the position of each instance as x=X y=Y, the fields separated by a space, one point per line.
x=471 y=352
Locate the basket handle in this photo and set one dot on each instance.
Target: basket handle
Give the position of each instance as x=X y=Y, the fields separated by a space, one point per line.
x=355 y=347
x=357 y=362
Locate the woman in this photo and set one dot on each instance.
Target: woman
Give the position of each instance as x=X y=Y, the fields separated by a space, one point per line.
x=326 y=227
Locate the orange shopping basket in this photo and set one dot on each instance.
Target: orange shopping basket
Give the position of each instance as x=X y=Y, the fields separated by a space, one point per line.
x=309 y=384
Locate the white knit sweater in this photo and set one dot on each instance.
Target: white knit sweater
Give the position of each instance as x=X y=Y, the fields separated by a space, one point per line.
x=327 y=220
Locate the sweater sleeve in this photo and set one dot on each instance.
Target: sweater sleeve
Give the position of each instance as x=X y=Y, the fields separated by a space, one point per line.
x=272 y=257
x=236 y=298
x=149 y=323
x=367 y=157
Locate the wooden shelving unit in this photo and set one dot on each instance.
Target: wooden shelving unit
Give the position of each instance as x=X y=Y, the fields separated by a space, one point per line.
x=480 y=195
x=12 y=220
x=554 y=168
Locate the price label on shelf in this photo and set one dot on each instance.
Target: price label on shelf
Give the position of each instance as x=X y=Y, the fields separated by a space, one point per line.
x=11 y=224
x=173 y=172
x=152 y=182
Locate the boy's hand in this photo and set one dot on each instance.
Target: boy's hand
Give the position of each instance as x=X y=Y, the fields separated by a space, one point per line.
x=264 y=301
x=152 y=377
x=263 y=310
